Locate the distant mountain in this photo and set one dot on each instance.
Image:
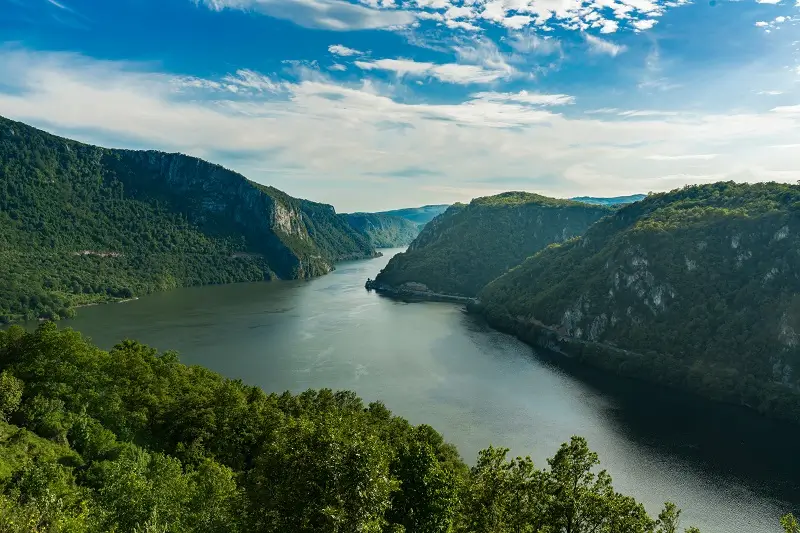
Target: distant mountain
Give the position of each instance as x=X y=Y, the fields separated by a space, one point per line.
x=418 y=215
x=82 y=224
x=698 y=288
x=384 y=231
x=468 y=246
x=617 y=200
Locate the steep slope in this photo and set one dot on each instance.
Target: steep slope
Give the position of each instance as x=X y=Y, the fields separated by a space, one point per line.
x=80 y=224
x=384 y=231
x=616 y=200
x=418 y=215
x=465 y=248
x=697 y=288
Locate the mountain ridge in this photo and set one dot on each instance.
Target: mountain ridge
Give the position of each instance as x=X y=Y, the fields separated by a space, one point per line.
x=695 y=289
x=82 y=224
x=468 y=245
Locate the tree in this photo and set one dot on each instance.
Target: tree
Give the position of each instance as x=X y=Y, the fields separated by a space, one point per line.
x=427 y=499
x=580 y=501
x=326 y=475
x=790 y=524
x=10 y=394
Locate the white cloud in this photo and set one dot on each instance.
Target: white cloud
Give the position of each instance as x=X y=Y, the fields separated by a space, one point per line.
x=644 y=24
x=59 y=5
x=683 y=157
x=446 y=72
x=762 y=23
x=524 y=97
x=252 y=81
x=600 y=46
x=531 y=43
x=609 y=26
x=770 y=93
x=469 y=15
x=790 y=109
x=326 y=140
x=768 y=1
x=648 y=113
x=336 y=15
x=341 y=50
x=337 y=66
x=517 y=22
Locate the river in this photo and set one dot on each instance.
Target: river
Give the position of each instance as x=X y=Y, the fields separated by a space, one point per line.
x=731 y=471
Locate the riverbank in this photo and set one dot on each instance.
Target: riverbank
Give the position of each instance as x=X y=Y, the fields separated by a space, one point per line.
x=415 y=292
x=766 y=398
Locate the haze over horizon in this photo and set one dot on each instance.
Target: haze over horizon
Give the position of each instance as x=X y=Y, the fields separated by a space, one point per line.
x=384 y=104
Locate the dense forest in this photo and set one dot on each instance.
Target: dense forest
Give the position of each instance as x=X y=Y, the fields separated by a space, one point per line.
x=131 y=440
x=384 y=231
x=82 y=224
x=468 y=246
x=697 y=288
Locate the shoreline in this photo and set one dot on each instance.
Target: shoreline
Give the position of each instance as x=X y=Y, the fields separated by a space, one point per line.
x=653 y=368
x=415 y=295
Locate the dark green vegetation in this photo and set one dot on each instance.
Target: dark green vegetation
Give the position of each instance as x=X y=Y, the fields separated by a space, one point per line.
x=82 y=224
x=418 y=215
x=617 y=200
x=470 y=245
x=133 y=441
x=384 y=231
x=696 y=289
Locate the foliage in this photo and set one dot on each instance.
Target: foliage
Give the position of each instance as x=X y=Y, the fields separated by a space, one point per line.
x=10 y=394
x=131 y=440
x=384 y=231
x=81 y=224
x=468 y=246
x=696 y=289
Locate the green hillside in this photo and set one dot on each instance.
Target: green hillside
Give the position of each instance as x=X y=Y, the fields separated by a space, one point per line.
x=81 y=224
x=384 y=231
x=697 y=288
x=418 y=215
x=468 y=246
x=133 y=441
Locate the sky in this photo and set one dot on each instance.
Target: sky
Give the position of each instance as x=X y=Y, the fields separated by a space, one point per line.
x=378 y=104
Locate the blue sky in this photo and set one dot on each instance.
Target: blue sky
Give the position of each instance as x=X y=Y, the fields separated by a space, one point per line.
x=377 y=104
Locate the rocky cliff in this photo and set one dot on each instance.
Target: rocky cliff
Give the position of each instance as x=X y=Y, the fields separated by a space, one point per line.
x=698 y=288
x=467 y=246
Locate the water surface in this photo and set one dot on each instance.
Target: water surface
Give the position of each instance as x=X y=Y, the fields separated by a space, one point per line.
x=730 y=471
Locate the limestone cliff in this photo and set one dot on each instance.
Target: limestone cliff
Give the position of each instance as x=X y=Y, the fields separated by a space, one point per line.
x=82 y=224
x=697 y=288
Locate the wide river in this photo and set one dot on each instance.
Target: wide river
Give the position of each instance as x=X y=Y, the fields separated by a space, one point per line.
x=731 y=472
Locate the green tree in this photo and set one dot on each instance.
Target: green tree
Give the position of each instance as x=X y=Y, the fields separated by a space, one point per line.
x=325 y=475
x=428 y=497
x=790 y=524
x=10 y=394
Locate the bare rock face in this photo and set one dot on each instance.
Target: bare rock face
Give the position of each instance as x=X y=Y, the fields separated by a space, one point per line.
x=298 y=238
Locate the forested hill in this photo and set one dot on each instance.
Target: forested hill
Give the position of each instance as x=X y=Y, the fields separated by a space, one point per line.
x=133 y=441
x=384 y=231
x=698 y=288
x=418 y=215
x=468 y=246
x=616 y=200
x=80 y=224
